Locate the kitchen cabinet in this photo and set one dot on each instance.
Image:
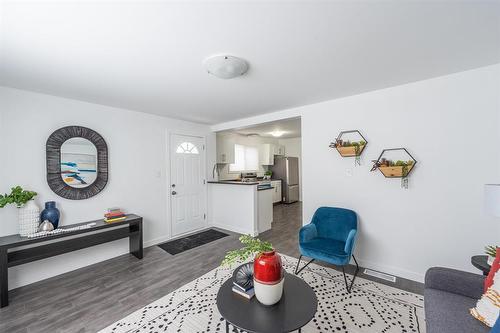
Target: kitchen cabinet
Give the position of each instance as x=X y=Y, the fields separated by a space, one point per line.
x=266 y=154
x=225 y=150
x=279 y=150
x=277 y=196
x=268 y=151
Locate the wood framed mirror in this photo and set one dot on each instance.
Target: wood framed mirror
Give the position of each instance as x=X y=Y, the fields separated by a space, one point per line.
x=77 y=162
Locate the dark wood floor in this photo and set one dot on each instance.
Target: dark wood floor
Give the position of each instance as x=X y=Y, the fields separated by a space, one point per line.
x=91 y=298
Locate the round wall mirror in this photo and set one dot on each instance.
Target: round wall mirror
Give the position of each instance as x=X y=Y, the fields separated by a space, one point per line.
x=77 y=162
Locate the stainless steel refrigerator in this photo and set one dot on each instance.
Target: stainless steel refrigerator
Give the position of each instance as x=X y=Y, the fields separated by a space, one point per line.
x=287 y=169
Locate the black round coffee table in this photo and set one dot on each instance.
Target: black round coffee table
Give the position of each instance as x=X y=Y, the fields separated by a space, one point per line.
x=481 y=263
x=295 y=309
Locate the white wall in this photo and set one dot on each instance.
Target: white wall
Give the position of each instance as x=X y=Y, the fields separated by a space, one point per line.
x=293 y=148
x=251 y=141
x=450 y=124
x=138 y=178
x=2 y=142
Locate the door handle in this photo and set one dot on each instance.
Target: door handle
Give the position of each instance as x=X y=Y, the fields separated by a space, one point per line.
x=174 y=193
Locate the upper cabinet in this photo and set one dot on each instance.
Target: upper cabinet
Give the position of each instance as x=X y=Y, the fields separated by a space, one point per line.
x=279 y=150
x=225 y=150
x=268 y=151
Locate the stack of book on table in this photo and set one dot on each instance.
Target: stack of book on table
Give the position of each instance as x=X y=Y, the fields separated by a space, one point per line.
x=114 y=215
x=245 y=290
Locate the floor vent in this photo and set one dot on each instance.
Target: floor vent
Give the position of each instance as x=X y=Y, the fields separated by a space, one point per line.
x=380 y=275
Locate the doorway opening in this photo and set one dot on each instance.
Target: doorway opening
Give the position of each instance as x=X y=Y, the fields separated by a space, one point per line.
x=270 y=154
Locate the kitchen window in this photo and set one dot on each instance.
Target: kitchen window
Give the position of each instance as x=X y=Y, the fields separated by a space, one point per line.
x=246 y=159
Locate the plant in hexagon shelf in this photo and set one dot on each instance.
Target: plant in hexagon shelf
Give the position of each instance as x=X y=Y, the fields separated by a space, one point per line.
x=395 y=163
x=350 y=144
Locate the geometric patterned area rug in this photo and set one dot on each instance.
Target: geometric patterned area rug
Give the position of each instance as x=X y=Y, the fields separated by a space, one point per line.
x=369 y=308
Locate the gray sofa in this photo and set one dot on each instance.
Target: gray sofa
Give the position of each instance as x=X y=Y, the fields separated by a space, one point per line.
x=448 y=296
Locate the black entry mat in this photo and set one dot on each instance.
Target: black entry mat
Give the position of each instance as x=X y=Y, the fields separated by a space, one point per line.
x=192 y=241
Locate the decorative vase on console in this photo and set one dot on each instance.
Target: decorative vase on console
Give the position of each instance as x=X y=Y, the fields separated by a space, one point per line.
x=268 y=277
x=51 y=213
x=28 y=218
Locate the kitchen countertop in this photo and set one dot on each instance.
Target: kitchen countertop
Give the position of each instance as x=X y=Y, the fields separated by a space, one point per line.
x=235 y=182
x=231 y=182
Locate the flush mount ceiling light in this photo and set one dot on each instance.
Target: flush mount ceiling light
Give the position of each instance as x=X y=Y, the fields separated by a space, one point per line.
x=277 y=133
x=225 y=66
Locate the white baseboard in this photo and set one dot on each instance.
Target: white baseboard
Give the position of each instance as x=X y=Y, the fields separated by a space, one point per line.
x=233 y=229
x=400 y=272
x=156 y=241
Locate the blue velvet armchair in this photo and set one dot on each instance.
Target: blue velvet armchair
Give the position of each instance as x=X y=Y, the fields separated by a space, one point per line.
x=330 y=237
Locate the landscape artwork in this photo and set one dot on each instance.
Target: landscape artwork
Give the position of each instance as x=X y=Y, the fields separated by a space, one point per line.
x=78 y=170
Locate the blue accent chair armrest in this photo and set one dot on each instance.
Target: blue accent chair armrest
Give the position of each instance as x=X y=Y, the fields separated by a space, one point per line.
x=307 y=233
x=349 y=243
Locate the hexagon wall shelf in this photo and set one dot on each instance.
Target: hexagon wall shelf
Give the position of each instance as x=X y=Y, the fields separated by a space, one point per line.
x=395 y=163
x=350 y=143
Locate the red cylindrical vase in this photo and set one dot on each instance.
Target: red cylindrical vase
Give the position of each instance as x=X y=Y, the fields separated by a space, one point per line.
x=267 y=268
x=268 y=278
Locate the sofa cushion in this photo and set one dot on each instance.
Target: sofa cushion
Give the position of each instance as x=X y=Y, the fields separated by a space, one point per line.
x=449 y=313
x=455 y=281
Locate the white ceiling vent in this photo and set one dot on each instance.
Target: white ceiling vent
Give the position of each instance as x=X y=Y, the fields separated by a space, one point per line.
x=225 y=66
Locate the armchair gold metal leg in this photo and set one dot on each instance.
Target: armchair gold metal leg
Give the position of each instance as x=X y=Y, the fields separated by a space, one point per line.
x=297 y=270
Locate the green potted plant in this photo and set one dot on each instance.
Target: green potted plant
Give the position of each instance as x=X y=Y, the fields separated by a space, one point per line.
x=491 y=251
x=28 y=211
x=17 y=196
x=253 y=247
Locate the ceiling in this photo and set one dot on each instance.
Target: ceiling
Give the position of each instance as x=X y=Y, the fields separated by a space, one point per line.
x=147 y=55
x=289 y=127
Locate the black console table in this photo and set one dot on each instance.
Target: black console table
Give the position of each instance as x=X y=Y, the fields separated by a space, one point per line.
x=39 y=248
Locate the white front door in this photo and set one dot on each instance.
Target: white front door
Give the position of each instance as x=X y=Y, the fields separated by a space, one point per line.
x=187 y=183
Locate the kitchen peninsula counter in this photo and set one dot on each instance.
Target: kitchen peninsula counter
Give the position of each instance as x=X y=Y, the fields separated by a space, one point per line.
x=241 y=206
